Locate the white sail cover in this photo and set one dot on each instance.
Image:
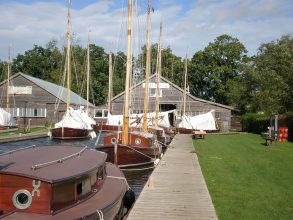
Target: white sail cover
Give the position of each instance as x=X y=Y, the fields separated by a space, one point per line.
x=75 y=119
x=135 y=120
x=205 y=122
x=6 y=118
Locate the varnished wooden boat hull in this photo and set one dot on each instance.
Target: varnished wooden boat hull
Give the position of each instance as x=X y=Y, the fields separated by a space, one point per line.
x=106 y=128
x=108 y=201
x=130 y=156
x=69 y=133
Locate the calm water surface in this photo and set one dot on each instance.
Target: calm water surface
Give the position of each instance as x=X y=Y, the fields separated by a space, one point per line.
x=136 y=179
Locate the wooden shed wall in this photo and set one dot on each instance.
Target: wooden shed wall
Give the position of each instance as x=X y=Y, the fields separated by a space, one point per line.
x=40 y=98
x=174 y=96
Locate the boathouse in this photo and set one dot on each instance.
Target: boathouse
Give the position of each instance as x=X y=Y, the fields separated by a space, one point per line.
x=171 y=97
x=35 y=102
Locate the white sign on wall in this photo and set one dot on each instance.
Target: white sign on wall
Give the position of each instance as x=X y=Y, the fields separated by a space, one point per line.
x=20 y=90
x=154 y=85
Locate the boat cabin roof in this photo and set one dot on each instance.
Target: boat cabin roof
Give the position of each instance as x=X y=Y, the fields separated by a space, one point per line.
x=51 y=163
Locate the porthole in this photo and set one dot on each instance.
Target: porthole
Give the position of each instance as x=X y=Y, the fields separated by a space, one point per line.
x=22 y=199
x=113 y=140
x=79 y=188
x=137 y=141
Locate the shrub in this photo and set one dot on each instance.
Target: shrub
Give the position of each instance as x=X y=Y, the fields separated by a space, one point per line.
x=255 y=123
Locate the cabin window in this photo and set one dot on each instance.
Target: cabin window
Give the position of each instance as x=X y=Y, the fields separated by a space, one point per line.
x=79 y=188
x=137 y=141
x=83 y=188
x=113 y=140
x=100 y=173
x=22 y=199
x=101 y=113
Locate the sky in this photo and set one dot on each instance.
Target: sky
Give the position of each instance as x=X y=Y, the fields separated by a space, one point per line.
x=191 y=24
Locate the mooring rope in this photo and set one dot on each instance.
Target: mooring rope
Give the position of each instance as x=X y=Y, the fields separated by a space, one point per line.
x=100 y=213
x=139 y=152
x=119 y=178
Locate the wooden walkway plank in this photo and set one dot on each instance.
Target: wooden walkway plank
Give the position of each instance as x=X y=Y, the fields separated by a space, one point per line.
x=176 y=189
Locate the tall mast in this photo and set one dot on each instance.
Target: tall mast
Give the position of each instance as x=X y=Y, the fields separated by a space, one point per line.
x=68 y=56
x=88 y=74
x=185 y=85
x=8 y=79
x=147 y=68
x=158 y=77
x=128 y=72
x=110 y=90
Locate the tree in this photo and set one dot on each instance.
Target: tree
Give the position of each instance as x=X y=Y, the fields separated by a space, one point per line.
x=119 y=72
x=40 y=62
x=172 y=66
x=211 y=68
x=99 y=73
x=276 y=59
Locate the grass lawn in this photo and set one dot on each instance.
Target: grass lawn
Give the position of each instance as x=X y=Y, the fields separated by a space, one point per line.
x=16 y=132
x=246 y=179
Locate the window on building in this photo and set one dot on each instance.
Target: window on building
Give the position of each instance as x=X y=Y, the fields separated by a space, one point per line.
x=218 y=114
x=29 y=112
x=152 y=92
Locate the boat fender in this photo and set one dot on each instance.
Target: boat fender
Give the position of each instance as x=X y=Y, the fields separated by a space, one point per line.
x=128 y=199
x=49 y=134
x=156 y=162
x=93 y=134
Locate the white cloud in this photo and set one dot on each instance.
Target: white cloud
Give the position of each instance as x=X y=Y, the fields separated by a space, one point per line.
x=193 y=25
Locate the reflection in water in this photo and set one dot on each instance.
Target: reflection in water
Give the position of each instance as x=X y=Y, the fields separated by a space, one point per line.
x=136 y=179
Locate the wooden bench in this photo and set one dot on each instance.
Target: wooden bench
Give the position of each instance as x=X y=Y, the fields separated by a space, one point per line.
x=198 y=134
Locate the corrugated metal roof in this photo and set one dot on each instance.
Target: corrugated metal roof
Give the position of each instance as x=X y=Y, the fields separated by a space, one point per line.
x=57 y=91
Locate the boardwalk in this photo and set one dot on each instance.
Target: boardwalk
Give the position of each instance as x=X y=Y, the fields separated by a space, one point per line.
x=176 y=189
x=22 y=137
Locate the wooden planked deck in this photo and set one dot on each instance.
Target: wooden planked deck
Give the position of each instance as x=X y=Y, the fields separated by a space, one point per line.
x=176 y=189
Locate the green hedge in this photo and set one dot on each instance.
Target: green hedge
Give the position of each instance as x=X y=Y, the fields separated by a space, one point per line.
x=255 y=123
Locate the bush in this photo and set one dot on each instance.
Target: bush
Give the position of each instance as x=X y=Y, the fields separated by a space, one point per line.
x=255 y=123
x=48 y=124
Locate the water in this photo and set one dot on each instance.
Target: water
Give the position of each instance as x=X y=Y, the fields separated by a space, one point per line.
x=136 y=179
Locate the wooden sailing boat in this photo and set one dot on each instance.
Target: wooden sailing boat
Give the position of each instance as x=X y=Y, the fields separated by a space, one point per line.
x=6 y=120
x=102 y=127
x=184 y=130
x=61 y=182
x=162 y=133
x=64 y=131
x=130 y=148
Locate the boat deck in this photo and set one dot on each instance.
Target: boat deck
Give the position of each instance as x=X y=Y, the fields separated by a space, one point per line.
x=176 y=189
